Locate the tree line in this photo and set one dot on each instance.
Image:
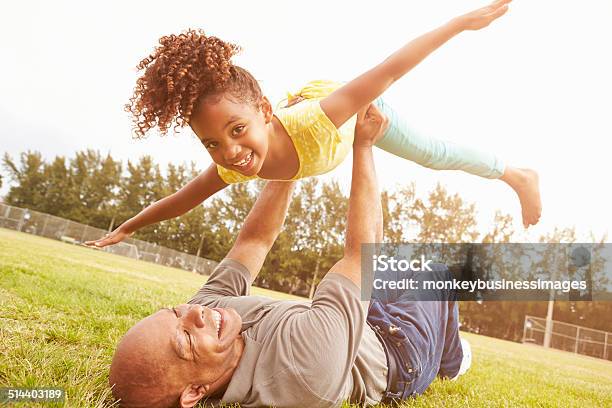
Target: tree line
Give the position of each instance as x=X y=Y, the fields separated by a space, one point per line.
x=98 y=190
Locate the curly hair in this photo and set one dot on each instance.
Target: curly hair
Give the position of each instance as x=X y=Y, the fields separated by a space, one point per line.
x=181 y=72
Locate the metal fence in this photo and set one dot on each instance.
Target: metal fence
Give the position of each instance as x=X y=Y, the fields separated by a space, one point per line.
x=569 y=337
x=34 y=222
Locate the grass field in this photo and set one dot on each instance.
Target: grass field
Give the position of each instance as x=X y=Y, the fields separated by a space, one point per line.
x=63 y=308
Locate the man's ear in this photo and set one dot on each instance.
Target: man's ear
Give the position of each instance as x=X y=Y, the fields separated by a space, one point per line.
x=192 y=394
x=266 y=108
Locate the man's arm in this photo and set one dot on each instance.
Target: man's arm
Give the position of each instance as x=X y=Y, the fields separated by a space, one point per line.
x=336 y=318
x=364 y=220
x=262 y=226
x=346 y=101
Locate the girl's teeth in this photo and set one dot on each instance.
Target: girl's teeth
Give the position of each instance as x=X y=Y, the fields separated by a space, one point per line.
x=245 y=161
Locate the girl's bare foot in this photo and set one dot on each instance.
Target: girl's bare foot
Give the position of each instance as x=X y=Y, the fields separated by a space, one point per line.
x=526 y=184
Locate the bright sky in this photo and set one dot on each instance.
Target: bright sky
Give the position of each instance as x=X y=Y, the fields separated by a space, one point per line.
x=534 y=87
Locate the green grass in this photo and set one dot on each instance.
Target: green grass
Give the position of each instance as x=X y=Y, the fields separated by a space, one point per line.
x=63 y=308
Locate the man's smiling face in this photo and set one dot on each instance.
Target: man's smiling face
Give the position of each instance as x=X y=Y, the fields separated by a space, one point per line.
x=175 y=348
x=199 y=334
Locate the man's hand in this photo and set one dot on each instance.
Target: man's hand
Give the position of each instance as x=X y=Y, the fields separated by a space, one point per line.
x=370 y=127
x=484 y=16
x=112 y=238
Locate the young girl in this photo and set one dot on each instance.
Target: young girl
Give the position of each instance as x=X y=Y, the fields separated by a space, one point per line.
x=189 y=80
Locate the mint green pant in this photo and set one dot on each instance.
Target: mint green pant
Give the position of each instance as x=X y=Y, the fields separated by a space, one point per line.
x=403 y=141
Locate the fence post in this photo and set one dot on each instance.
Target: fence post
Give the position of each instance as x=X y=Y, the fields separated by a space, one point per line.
x=606 y=347
x=524 y=329
x=66 y=224
x=42 y=233
x=83 y=234
x=549 y=322
x=21 y=221
x=195 y=264
x=577 y=339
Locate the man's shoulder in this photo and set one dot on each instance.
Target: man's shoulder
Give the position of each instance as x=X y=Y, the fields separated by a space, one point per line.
x=229 y=278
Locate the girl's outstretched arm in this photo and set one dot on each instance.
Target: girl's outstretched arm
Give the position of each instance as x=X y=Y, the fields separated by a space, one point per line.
x=346 y=101
x=192 y=194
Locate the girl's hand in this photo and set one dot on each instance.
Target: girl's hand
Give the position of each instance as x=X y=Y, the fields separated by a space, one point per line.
x=370 y=127
x=482 y=17
x=114 y=237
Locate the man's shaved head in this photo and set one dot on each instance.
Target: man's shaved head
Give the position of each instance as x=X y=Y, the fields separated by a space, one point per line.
x=139 y=373
x=176 y=356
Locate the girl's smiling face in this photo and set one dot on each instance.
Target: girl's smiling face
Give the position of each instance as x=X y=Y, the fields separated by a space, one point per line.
x=234 y=133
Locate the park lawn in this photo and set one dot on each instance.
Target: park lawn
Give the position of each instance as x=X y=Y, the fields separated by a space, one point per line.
x=63 y=308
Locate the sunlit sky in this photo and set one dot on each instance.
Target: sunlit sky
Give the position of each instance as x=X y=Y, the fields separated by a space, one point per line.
x=535 y=87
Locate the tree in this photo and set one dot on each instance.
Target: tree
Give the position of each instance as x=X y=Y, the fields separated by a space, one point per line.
x=444 y=218
x=189 y=232
x=329 y=237
x=59 y=198
x=141 y=187
x=396 y=210
x=28 y=177
x=311 y=240
x=502 y=319
x=225 y=215
x=502 y=229
x=97 y=182
x=285 y=265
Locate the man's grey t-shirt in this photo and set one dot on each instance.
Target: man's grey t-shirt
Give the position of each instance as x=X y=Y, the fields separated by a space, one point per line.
x=299 y=353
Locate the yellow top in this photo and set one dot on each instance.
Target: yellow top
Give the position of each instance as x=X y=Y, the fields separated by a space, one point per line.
x=319 y=145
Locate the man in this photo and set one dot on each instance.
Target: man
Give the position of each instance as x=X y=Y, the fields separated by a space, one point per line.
x=225 y=345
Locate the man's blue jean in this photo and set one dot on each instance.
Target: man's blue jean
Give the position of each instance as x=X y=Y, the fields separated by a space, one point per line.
x=404 y=141
x=421 y=337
